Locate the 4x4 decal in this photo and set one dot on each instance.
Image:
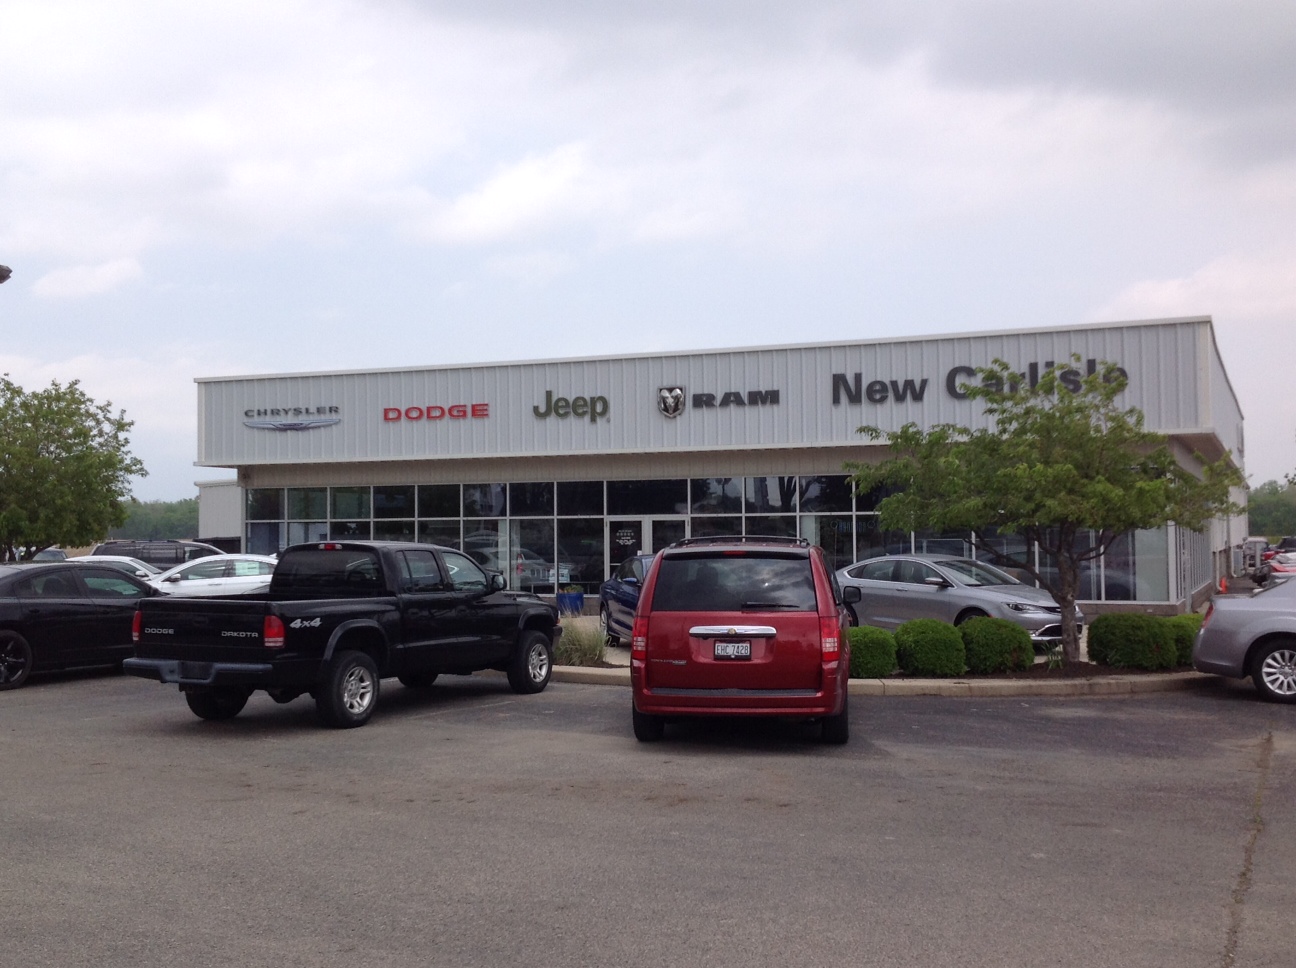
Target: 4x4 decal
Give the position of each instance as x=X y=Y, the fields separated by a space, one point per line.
x=303 y=623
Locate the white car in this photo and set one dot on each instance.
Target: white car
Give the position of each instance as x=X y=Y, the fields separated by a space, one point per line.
x=217 y=575
x=132 y=566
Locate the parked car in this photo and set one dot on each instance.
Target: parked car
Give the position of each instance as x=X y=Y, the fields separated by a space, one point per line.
x=132 y=566
x=740 y=626
x=1282 y=565
x=50 y=554
x=222 y=575
x=164 y=553
x=62 y=616
x=1252 y=635
x=618 y=598
x=897 y=588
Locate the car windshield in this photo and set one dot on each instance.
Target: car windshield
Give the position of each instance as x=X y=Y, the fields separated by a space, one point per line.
x=733 y=583
x=977 y=572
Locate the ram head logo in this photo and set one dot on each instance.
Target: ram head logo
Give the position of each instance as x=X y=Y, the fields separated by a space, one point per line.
x=670 y=401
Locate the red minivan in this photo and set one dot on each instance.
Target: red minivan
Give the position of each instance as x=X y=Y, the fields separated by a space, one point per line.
x=740 y=626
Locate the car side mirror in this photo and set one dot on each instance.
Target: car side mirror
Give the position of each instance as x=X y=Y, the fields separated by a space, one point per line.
x=936 y=582
x=172 y=579
x=497 y=583
x=852 y=594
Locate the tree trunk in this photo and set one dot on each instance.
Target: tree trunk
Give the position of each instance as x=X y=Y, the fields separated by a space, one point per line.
x=1065 y=596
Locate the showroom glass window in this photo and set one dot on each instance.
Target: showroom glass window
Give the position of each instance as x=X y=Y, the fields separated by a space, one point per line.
x=716 y=495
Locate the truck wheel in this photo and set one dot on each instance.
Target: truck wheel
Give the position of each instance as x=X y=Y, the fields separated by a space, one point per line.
x=417 y=680
x=532 y=663
x=223 y=703
x=15 y=660
x=647 y=729
x=836 y=729
x=350 y=691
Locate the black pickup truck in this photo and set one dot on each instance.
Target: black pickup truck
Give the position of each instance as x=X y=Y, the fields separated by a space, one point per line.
x=337 y=618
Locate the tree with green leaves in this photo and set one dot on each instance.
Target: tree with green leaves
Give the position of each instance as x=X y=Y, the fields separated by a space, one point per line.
x=65 y=468
x=152 y=520
x=1271 y=510
x=1061 y=465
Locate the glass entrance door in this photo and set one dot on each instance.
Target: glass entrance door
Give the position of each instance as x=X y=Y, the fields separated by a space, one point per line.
x=635 y=536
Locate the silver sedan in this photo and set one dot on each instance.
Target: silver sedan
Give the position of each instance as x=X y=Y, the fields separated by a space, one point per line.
x=1252 y=635
x=897 y=588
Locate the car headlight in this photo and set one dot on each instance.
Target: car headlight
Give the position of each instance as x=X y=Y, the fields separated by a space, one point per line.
x=1025 y=607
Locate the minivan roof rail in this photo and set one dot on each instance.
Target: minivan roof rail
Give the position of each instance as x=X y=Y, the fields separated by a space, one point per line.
x=729 y=539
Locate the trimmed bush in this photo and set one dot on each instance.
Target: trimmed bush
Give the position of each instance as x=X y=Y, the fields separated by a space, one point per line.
x=996 y=645
x=872 y=652
x=928 y=647
x=1185 y=629
x=1132 y=641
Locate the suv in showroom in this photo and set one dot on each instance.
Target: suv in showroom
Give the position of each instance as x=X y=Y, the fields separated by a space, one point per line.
x=740 y=626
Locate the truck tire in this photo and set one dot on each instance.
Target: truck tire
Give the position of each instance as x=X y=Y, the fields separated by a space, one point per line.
x=15 y=660
x=532 y=663
x=218 y=703
x=349 y=693
x=417 y=680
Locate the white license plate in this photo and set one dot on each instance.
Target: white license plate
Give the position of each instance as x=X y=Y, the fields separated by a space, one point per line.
x=733 y=650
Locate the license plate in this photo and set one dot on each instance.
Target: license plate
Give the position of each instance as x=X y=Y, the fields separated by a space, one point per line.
x=733 y=650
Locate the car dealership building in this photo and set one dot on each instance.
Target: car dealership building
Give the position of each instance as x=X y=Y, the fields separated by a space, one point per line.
x=554 y=471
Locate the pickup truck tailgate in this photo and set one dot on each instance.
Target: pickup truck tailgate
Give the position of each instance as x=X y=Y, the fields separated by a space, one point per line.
x=216 y=630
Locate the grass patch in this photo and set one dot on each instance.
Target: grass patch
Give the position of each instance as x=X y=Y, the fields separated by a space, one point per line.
x=581 y=643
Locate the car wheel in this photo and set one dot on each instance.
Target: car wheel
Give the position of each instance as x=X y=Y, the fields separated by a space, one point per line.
x=217 y=704
x=836 y=729
x=532 y=663
x=417 y=680
x=609 y=638
x=969 y=614
x=15 y=660
x=350 y=691
x=1274 y=672
x=647 y=729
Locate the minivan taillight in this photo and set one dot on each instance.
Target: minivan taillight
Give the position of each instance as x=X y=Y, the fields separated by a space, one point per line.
x=829 y=637
x=137 y=623
x=639 y=638
x=272 y=631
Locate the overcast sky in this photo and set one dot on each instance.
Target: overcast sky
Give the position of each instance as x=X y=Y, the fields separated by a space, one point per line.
x=262 y=186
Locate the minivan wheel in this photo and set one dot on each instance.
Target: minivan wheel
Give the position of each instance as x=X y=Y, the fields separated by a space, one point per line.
x=1274 y=672
x=532 y=664
x=217 y=704
x=647 y=729
x=836 y=729
x=349 y=694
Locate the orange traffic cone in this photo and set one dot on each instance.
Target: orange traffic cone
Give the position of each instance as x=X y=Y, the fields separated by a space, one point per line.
x=1224 y=585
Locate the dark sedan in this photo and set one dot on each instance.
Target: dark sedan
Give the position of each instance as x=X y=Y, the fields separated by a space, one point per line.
x=618 y=598
x=63 y=616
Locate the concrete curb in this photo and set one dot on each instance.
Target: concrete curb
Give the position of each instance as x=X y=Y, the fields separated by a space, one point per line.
x=966 y=688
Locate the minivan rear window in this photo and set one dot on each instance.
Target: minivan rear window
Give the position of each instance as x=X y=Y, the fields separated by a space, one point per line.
x=733 y=584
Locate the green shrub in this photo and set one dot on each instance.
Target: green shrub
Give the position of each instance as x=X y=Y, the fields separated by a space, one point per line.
x=996 y=645
x=1133 y=641
x=928 y=647
x=580 y=644
x=872 y=652
x=1185 y=629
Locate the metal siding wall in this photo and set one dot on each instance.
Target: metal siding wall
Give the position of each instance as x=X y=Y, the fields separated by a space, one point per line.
x=1168 y=378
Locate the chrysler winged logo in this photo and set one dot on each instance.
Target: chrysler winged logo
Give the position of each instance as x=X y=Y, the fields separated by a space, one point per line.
x=670 y=401
x=292 y=424
x=292 y=418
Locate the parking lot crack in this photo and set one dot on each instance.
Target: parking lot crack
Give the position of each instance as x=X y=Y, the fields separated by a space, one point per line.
x=1242 y=887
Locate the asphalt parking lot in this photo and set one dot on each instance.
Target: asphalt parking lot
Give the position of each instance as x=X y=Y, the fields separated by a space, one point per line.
x=470 y=826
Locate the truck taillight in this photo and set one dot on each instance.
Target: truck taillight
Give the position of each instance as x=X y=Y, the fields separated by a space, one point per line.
x=137 y=623
x=272 y=631
x=829 y=637
x=639 y=638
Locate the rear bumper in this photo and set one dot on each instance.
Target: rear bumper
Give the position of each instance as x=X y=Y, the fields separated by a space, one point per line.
x=673 y=701
x=256 y=675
